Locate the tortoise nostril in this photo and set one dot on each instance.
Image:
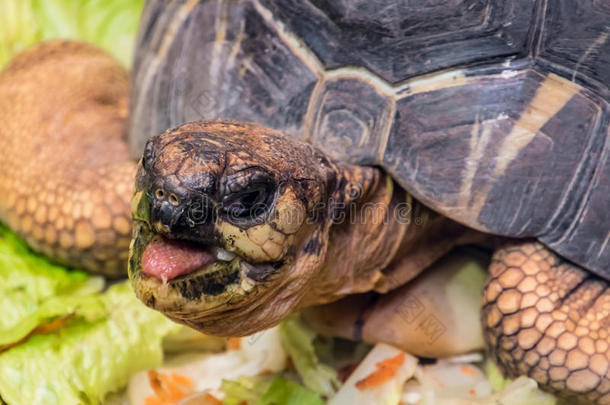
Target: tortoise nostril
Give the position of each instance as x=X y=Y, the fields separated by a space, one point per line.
x=174 y=200
x=160 y=194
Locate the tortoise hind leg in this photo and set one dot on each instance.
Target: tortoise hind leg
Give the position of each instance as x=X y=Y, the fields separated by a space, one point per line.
x=548 y=319
x=66 y=177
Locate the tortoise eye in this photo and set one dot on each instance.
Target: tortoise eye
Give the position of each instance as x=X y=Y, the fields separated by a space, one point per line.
x=250 y=202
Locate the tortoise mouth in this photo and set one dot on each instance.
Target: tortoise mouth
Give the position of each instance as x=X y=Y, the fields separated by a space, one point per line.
x=169 y=259
x=176 y=276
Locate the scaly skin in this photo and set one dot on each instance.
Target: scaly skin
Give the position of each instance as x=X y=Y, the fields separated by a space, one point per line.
x=65 y=174
x=548 y=319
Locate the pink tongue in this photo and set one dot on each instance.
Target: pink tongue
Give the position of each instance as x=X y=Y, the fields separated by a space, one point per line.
x=168 y=259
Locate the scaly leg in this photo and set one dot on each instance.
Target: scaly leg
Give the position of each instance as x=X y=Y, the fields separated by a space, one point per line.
x=549 y=319
x=66 y=177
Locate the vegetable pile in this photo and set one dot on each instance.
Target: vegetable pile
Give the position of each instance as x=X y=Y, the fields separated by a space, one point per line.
x=65 y=340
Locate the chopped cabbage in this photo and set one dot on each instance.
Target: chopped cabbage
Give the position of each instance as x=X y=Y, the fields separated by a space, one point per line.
x=379 y=379
x=297 y=339
x=87 y=358
x=449 y=383
x=34 y=292
x=261 y=353
x=264 y=391
x=287 y=392
x=104 y=337
x=249 y=389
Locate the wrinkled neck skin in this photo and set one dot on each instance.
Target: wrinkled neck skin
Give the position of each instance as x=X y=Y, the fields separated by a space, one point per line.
x=386 y=239
x=361 y=242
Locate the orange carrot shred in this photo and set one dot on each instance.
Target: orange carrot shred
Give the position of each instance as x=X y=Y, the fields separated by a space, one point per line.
x=212 y=399
x=472 y=392
x=233 y=343
x=155 y=384
x=468 y=370
x=173 y=389
x=168 y=389
x=152 y=400
x=385 y=371
x=182 y=380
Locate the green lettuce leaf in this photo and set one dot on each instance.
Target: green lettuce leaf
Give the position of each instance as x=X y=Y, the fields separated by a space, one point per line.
x=110 y=24
x=108 y=336
x=34 y=291
x=249 y=389
x=89 y=357
x=287 y=392
x=264 y=391
x=297 y=339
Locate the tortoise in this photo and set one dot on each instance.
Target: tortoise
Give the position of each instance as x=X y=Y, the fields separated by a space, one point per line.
x=478 y=121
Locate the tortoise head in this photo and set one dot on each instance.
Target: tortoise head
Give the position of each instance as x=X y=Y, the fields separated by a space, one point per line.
x=231 y=224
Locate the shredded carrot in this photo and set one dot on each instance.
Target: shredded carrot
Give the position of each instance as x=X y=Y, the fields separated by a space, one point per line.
x=468 y=371
x=45 y=328
x=53 y=325
x=385 y=371
x=472 y=393
x=234 y=343
x=152 y=400
x=168 y=389
x=182 y=380
x=212 y=399
x=171 y=387
x=155 y=384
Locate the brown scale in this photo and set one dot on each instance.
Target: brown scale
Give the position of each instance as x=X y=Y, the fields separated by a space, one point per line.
x=547 y=318
x=65 y=173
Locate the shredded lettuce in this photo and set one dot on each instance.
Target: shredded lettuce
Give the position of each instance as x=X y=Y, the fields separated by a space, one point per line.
x=448 y=383
x=287 y=392
x=107 y=337
x=297 y=339
x=87 y=358
x=497 y=381
x=34 y=291
x=264 y=391
x=378 y=379
x=110 y=24
x=249 y=389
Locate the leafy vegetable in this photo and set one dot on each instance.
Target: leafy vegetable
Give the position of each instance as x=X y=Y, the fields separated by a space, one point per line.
x=265 y=391
x=249 y=389
x=289 y=393
x=83 y=361
x=34 y=291
x=297 y=339
x=379 y=379
x=105 y=337
x=453 y=383
x=110 y=24
x=497 y=381
x=245 y=357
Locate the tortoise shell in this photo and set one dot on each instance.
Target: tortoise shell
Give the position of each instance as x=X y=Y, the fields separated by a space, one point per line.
x=492 y=112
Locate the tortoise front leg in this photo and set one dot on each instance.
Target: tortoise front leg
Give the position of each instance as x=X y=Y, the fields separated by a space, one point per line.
x=435 y=315
x=548 y=319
